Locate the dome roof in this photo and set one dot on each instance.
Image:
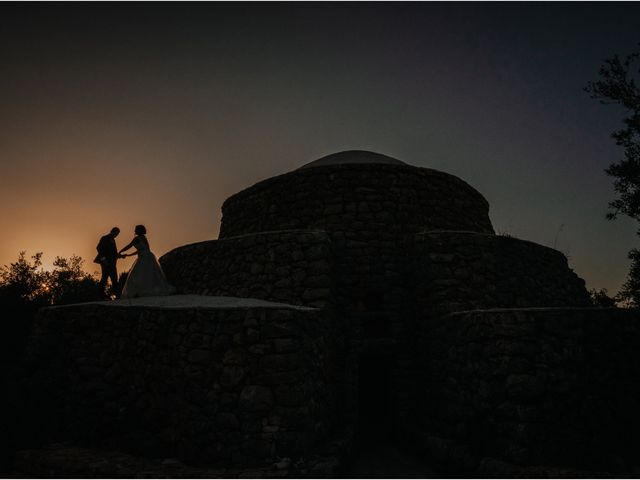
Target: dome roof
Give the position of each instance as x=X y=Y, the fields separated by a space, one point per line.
x=353 y=156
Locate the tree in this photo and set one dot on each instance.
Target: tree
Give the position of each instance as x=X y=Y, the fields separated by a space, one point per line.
x=25 y=287
x=617 y=85
x=24 y=281
x=68 y=283
x=629 y=295
x=601 y=298
x=22 y=289
x=27 y=282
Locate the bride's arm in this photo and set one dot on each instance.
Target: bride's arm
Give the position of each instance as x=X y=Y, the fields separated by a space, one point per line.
x=124 y=249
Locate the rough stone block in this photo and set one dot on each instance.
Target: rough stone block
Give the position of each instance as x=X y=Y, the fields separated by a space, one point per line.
x=256 y=398
x=199 y=356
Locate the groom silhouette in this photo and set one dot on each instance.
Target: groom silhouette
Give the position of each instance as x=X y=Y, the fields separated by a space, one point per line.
x=107 y=257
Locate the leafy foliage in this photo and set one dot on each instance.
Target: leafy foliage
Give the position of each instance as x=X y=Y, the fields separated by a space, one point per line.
x=23 y=281
x=68 y=283
x=25 y=287
x=629 y=295
x=601 y=298
x=617 y=85
x=27 y=282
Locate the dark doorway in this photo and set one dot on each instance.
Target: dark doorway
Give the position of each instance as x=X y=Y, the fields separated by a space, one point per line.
x=374 y=396
x=379 y=450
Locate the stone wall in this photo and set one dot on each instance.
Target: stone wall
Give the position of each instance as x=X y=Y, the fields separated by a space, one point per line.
x=205 y=385
x=362 y=280
x=351 y=197
x=386 y=253
x=535 y=387
x=284 y=266
x=458 y=271
x=380 y=288
x=367 y=211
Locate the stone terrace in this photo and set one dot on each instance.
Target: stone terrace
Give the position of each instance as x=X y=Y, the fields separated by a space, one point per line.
x=381 y=305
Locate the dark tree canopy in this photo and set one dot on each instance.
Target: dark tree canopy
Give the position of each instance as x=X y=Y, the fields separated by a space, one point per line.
x=617 y=85
x=601 y=298
x=25 y=287
x=630 y=293
x=26 y=281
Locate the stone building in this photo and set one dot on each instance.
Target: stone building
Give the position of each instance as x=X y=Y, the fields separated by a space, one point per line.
x=354 y=295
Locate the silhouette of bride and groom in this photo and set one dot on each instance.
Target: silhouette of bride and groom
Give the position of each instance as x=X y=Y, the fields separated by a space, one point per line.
x=145 y=278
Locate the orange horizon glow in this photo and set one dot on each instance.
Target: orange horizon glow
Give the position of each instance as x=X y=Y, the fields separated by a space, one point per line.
x=155 y=116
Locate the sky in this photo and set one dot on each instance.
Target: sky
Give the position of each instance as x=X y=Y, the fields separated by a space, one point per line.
x=116 y=114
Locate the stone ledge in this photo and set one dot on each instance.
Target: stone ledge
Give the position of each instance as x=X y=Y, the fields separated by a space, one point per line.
x=60 y=461
x=203 y=302
x=537 y=309
x=292 y=231
x=491 y=237
x=67 y=461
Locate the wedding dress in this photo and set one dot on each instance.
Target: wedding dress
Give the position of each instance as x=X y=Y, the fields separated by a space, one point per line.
x=146 y=278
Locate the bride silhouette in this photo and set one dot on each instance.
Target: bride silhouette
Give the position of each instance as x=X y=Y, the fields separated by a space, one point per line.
x=146 y=278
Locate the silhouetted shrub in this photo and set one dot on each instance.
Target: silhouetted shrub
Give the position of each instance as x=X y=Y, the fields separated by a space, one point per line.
x=601 y=298
x=25 y=287
x=629 y=295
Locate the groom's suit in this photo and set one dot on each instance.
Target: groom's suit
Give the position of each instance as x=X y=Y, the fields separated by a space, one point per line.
x=107 y=258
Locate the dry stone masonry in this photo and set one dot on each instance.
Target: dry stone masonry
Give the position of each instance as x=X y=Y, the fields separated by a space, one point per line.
x=284 y=266
x=538 y=386
x=209 y=384
x=399 y=312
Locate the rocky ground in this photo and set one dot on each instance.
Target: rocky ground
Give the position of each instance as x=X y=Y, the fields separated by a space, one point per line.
x=67 y=461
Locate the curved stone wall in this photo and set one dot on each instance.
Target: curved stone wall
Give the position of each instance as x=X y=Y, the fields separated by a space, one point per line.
x=369 y=200
x=217 y=386
x=288 y=266
x=387 y=252
x=534 y=387
x=457 y=271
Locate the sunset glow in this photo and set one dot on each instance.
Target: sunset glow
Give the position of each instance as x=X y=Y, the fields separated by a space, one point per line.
x=155 y=115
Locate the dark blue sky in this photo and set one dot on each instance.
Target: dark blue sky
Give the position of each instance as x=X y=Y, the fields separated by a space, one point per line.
x=118 y=114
